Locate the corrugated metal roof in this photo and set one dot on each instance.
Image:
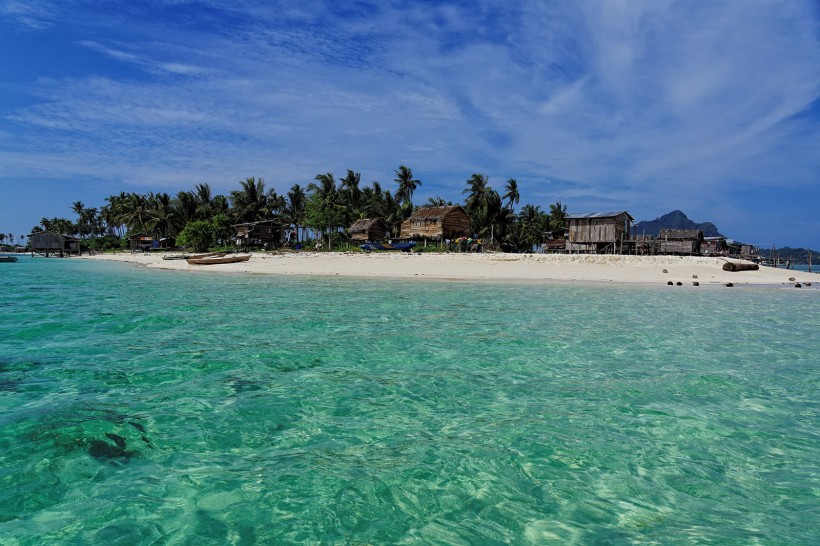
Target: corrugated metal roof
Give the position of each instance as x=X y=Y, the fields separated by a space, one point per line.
x=598 y=214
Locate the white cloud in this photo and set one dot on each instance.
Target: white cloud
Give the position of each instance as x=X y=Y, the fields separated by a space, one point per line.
x=630 y=102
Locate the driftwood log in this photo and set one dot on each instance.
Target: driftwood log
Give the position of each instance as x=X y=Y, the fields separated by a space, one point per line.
x=734 y=266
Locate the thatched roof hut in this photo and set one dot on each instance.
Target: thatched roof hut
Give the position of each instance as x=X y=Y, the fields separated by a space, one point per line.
x=368 y=229
x=436 y=223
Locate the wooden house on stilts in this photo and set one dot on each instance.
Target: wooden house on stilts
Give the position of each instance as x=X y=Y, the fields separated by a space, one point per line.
x=599 y=232
x=680 y=241
x=48 y=243
x=261 y=234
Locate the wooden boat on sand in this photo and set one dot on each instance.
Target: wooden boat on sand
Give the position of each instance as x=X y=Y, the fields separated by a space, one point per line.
x=209 y=260
x=404 y=247
x=196 y=256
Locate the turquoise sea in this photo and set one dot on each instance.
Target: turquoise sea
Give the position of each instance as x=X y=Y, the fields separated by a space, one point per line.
x=156 y=407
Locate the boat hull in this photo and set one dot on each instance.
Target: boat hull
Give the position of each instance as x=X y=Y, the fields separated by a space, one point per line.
x=218 y=260
x=404 y=247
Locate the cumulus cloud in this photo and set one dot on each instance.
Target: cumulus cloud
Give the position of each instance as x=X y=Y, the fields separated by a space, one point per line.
x=639 y=105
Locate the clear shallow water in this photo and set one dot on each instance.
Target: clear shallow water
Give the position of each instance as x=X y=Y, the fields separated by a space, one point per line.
x=142 y=407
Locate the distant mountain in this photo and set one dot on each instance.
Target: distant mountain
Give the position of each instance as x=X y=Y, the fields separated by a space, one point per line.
x=794 y=255
x=674 y=220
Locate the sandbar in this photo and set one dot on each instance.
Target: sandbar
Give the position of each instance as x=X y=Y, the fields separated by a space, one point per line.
x=500 y=267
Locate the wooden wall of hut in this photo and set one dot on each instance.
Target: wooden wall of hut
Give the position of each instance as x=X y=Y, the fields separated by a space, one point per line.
x=437 y=223
x=368 y=229
x=595 y=230
x=679 y=247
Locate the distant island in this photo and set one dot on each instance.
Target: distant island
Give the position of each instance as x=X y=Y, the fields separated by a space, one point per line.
x=675 y=220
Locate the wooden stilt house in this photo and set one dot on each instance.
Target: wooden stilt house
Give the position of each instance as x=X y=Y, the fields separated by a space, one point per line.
x=140 y=242
x=436 y=223
x=599 y=232
x=680 y=241
x=368 y=229
x=262 y=234
x=48 y=243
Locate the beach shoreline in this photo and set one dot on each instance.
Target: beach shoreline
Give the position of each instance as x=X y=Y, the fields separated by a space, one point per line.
x=486 y=267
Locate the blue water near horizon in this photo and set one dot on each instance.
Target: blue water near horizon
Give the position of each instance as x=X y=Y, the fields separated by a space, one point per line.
x=157 y=407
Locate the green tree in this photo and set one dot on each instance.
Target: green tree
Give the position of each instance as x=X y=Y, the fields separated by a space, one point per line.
x=250 y=203
x=222 y=227
x=350 y=196
x=407 y=184
x=323 y=210
x=558 y=216
x=162 y=215
x=134 y=212
x=511 y=193
x=197 y=234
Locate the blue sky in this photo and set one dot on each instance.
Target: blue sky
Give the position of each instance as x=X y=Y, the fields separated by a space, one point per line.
x=712 y=108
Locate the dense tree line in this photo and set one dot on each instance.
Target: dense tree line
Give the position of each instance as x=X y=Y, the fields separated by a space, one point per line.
x=325 y=206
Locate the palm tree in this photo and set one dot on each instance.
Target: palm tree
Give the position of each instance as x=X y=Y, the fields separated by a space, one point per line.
x=202 y=193
x=407 y=184
x=558 y=216
x=511 y=193
x=295 y=208
x=323 y=210
x=161 y=216
x=477 y=190
x=220 y=205
x=351 y=194
x=134 y=212
x=250 y=203
x=437 y=201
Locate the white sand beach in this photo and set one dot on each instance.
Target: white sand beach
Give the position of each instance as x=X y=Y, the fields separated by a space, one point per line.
x=537 y=268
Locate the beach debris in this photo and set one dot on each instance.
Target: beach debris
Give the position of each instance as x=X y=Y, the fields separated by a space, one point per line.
x=736 y=266
x=807 y=284
x=798 y=285
x=696 y=283
x=694 y=276
x=670 y=283
x=679 y=283
x=792 y=279
x=665 y=271
x=729 y=284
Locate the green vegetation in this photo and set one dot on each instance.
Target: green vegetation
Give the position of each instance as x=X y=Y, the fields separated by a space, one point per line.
x=322 y=209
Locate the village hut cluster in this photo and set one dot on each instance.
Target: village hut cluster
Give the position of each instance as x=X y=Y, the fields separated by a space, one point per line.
x=584 y=233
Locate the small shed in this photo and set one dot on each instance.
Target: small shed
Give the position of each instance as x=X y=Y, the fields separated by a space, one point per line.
x=48 y=243
x=368 y=229
x=261 y=234
x=680 y=241
x=140 y=242
x=599 y=232
x=436 y=223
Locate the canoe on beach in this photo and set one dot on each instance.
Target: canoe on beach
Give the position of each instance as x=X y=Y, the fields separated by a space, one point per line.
x=194 y=256
x=209 y=260
x=404 y=247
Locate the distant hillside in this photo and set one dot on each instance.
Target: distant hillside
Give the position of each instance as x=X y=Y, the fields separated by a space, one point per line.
x=675 y=220
x=794 y=255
